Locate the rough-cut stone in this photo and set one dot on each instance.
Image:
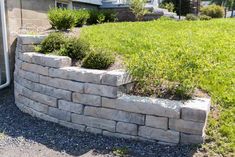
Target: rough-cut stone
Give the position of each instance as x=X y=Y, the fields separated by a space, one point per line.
x=18 y=64
x=191 y=139
x=94 y=130
x=30 y=39
x=87 y=99
x=59 y=114
x=159 y=134
x=126 y=128
x=44 y=99
x=119 y=135
x=116 y=78
x=102 y=90
x=94 y=122
x=114 y=115
x=145 y=105
x=186 y=126
x=50 y=60
x=157 y=122
x=26 y=57
x=35 y=68
x=29 y=75
x=77 y=74
x=62 y=84
x=28 y=48
x=70 y=107
x=196 y=110
x=72 y=125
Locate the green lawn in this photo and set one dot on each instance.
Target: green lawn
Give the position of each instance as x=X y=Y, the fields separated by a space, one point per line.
x=193 y=54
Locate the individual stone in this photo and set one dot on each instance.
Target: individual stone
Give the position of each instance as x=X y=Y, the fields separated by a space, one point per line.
x=62 y=84
x=196 y=110
x=18 y=64
x=87 y=99
x=70 y=106
x=35 y=68
x=126 y=128
x=30 y=39
x=72 y=125
x=114 y=115
x=28 y=48
x=59 y=114
x=94 y=130
x=118 y=135
x=94 y=122
x=191 y=139
x=187 y=126
x=51 y=60
x=29 y=75
x=145 y=105
x=45 y=117
x=159 y=134
x=77 y=74
x=102 y=90
x=157 y=122
x=116 y=78
x=26 y=57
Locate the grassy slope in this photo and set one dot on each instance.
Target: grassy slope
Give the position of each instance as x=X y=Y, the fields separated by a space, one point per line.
x=200 y=53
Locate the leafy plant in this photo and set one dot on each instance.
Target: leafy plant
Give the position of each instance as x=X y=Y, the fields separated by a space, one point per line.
x=213 y=11
x=62 y=19
x=81 y=16
x=169 y=6
x=191 y=17
x=204 y=17
x=138 y=8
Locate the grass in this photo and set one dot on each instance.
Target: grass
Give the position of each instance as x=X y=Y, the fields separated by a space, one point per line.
x=180 y=56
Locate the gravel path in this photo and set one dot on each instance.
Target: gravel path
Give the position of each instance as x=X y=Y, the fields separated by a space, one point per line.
x=24 y=136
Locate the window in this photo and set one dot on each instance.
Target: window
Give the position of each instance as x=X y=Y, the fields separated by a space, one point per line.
x=61 y=5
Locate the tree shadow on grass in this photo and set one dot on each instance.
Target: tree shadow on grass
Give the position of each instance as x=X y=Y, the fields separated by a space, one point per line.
x=14 y=123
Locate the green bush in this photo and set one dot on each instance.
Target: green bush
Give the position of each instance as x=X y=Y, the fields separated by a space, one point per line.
x=204 y=18
x=138 y=8
x=82 y=16
x=62 y=19
x=213 y=11
x=98 y=60
x=53 y=42
x=169 y=6
x=186 y=6
x=110 y=15
x=191 y=17
x=101 y=16
x=74 y=48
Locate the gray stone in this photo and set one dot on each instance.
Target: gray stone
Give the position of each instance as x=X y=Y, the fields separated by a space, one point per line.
x=114 y=115
x=72 y=125
x=87 y=99
x=70 y=106
x=35 y=68
x=78 y=74
x=159 y=134
x=118 y=135
x=62 y=84
x=145 y=105
x=116 y=78
x=157 y=122
x=27 y=48
x=187 y=126
x=30 y=39
x=126 y=128
x=191 y=139
x=94 y=122
x=94 y=130
x=26 y=57
x=50 y=60
x=29 y=75
x=59 y=114
x=102 y=90
x=18 y=64
x=196 y=110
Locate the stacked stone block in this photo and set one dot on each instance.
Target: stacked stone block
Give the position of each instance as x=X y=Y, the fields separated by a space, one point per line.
x=48 y=87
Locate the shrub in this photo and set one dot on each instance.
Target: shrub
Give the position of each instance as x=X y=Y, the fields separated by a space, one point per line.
x=213 y=11
x=138 y=8
x=191 y=17
x=98 y=60
x=169 y=6
x=74 y=48
x=186 y=6
x=95 y=16
x=62 y=19
x=110 y=15
x=82 y=16
x=53 y=42
x=204 y=17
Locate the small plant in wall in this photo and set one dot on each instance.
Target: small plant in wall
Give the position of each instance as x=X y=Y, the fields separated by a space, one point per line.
x=138 y=8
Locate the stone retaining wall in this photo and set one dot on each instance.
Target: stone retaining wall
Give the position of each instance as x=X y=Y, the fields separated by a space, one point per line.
x=48 y=87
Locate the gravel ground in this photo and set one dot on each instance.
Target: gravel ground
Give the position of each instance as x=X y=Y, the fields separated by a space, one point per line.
x=24 y=136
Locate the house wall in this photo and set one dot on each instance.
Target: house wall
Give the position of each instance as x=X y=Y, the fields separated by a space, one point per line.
x=77 y=5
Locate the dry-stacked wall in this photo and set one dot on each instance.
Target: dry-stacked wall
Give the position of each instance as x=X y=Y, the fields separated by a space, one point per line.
x=48 y=87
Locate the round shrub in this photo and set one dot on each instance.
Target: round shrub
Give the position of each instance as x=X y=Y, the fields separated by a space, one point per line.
x=213 y=11
x=53 y=42
x=62 y=19
x=204 y=17
x=169 y=6
x=75 y=48
x=98 y=60
x=110 y=15
x=191 y=17
x=82 y=16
